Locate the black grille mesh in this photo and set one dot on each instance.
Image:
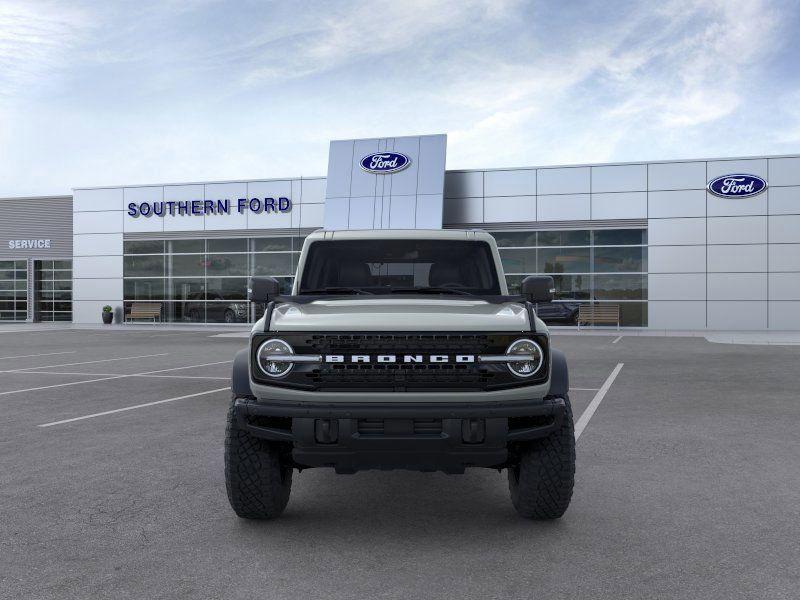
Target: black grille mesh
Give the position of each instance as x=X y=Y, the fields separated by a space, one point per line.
x=400 y=376
x=392 y=375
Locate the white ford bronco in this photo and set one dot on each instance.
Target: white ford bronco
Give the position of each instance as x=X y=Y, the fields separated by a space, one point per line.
x=400 y=349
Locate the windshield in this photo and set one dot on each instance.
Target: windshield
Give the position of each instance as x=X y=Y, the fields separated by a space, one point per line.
x=398 y=266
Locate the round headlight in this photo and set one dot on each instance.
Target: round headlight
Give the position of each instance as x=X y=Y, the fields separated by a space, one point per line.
x=268 y=365
x=527 y=366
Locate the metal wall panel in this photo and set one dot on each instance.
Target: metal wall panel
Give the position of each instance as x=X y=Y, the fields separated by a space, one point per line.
x=664 y=314
x=676 y=259
x=676 y=286
x=737 y=315
x=784 y=229
x=395 y=196
x=521 y=182
x=784 y=171
x=784 y=200
x=619 y=205
x=564 y=207
x=784 y=257
x=566 y=180
x=676 y=232
x=98 y=199
x=231 y=192
x=676 y=176
x=757 y=166
x=36 y=219
x=737 y=230
x=731 y=207
x=783 y=314
x=463 y=184
x=509 y=208
x=784 y=286
x=619 y=178
x=737 y=258
x=737 y=286
x=676 y=203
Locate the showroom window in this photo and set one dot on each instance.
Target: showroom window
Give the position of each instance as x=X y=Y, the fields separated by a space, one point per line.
x=13 y=290
x=587 y=266
x=205 y=281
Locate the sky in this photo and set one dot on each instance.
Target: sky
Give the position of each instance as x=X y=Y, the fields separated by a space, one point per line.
x=111 y=93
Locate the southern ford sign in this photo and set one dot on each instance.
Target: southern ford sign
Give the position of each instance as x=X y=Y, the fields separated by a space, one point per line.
x=385 y=163
x=737 y=186
x=209 y=207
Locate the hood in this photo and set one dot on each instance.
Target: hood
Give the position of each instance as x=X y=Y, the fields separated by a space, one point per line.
x=400 y=314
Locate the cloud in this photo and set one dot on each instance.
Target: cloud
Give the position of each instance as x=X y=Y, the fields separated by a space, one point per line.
x=659 y=68
x=99 y=93
x=347 y=33
x=35 y=38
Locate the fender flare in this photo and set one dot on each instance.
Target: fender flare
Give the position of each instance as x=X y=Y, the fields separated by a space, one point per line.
x=240 y=376
x=559 y=374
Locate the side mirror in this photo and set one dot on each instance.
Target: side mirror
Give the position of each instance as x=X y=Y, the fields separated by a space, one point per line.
x=538 y=288
x=262 y=289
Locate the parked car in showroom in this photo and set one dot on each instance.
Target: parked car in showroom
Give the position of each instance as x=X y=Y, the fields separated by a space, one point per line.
x=215 y=308
x=558 y=312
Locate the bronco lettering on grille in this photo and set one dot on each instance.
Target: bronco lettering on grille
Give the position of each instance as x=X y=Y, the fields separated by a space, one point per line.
x=404 y=358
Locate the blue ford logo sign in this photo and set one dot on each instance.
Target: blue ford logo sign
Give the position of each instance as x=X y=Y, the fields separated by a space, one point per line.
x=737 y=186
x=384 y=163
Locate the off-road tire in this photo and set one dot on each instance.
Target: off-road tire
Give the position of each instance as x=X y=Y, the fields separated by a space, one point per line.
x=257 y=481
x=541 y=483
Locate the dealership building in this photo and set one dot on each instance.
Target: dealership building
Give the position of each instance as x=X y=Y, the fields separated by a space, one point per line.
x=682 y=244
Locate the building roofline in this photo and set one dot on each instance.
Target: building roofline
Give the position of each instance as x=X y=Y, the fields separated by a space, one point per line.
x=55 y=197
x=626 y=163
x=141 y=185
x=522 y=168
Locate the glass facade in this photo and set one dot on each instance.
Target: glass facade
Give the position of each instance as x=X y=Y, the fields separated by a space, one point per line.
x=587 y=266
x=13 y=290
x=205 y=280
x=53 y=290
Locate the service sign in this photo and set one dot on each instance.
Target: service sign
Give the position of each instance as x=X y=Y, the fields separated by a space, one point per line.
x=737 y=186
x=28 y=244
x=385 y=163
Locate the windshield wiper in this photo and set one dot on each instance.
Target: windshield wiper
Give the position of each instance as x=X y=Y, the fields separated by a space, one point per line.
x=430 y=290
x=336 y=290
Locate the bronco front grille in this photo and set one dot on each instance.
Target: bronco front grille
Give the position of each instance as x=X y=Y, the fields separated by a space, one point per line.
x=401 y=376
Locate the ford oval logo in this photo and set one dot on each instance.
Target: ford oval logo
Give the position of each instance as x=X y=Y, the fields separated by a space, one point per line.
x=737 y=186
x=383 y=163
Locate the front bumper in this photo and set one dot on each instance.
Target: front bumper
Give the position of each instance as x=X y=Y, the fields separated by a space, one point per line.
x=418 y=436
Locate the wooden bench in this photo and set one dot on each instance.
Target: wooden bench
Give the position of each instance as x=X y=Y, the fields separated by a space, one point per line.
x=592 y=314
x=144 y=310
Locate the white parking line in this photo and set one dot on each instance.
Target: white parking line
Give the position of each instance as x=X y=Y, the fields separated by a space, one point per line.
x=134 y=407
x=47 y=387
x=598 y=398
x=572 y=389
x=617 y=339
x=113 y=374
x=86 y=362
x=34 y=355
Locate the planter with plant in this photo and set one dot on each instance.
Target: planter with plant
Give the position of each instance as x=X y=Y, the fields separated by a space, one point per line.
x=108 y=314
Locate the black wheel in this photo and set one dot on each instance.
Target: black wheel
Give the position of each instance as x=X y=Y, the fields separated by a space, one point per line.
x=541 y=483
x=257 y=481
x=230 y=317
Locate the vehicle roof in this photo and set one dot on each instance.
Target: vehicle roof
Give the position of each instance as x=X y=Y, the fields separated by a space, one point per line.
x=400 y=234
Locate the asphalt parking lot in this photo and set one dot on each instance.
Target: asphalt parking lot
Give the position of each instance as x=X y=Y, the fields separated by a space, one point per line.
x=688 y=484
